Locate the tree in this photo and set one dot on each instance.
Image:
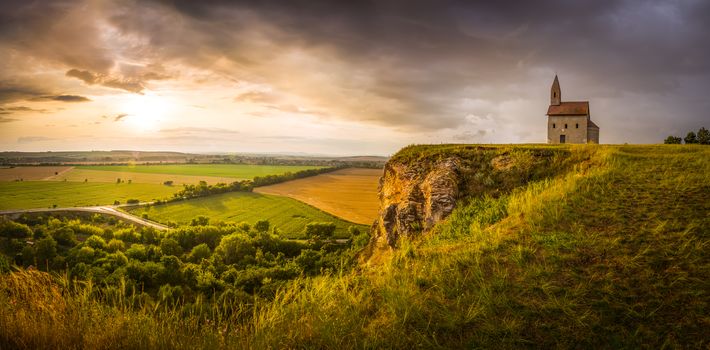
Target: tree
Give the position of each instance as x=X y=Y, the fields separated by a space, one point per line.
x=199 y=252
x=95 y=242
x=690 y=138
x=320 y=230
x=672 y=140
x=115 y=245
x=200 y=220
x=11 y=229
x=45 y=250
x=65 y=236
x=170 y=246
x=118 y=181
x=262 y=226
x=703 y=136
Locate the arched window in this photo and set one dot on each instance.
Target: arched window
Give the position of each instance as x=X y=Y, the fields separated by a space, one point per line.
x=565 y=126
x=553 y=125
x=576 y=125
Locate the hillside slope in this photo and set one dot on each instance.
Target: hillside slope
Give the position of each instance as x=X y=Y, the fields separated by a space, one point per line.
x=588 y=247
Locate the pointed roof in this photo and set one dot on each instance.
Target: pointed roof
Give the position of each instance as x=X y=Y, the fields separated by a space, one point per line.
x=569 y=108
x=556 y=83
x=590 y=124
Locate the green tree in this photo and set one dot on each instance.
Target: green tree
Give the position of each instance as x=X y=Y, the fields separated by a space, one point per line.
x=321 y=230
x=199 y=252
x=262 y=226
x=672 y=140
x=45 y=251
x=28 y=256
x=170 y=246
x=65 y=236
x=690 y=138
x=703 y=136
x=115 y=245
x=11 y=229
x=95 y=242
x=234 y=248
x=200 y=220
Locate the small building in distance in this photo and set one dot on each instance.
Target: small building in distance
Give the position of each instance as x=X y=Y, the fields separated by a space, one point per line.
x=569 y=122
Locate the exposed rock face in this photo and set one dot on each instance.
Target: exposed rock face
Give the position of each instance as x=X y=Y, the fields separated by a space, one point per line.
x=414 y=197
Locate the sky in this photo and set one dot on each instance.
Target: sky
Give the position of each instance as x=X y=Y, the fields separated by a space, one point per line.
x=343 y=77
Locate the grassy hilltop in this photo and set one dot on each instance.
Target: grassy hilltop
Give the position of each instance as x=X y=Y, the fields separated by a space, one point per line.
x=608 y=253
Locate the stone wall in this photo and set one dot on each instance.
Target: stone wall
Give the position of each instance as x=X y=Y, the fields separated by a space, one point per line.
x=575 y=132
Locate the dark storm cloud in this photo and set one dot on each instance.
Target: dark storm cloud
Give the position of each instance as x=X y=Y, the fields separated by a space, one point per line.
x=404 y=64
x=416 y=60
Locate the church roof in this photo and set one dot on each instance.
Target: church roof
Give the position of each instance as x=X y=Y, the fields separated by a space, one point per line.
x=569 y=108
x=590 y=124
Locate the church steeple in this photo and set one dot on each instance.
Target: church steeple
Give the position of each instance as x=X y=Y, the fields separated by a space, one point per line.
x=555 y=93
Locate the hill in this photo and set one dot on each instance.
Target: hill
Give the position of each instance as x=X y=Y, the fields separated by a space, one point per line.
x=494 y=247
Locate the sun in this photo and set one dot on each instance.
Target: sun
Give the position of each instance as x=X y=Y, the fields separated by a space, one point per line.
x=147 y=112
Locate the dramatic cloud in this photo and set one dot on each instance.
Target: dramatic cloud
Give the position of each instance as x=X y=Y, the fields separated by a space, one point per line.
x=401 y=71
x=64 y=98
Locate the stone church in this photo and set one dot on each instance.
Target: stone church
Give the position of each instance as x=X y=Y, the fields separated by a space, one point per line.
x=569 y=122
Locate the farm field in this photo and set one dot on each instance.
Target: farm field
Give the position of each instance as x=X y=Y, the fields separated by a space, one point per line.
x=43 y=194
x=288 y=215
x=234 y=171
x=136 y=177
x=348 y=193
x=31 y=173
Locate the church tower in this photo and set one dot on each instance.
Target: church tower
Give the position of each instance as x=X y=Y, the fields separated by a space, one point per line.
x=555 y=93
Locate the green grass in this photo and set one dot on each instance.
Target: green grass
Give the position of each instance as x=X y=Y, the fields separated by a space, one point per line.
x=43 y=194
x=611 y=253
x=236 y=171
x=288 y=215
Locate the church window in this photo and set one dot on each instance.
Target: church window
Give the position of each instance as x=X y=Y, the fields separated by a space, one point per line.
x=565 y=126
x=553 y=125
x=576 y=125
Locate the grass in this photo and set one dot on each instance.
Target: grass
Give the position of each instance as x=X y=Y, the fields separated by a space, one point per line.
x=609 y=254
x=82 y=174
x=43 y=194
x=348 y=193
x=288 y=215
x=235 y=171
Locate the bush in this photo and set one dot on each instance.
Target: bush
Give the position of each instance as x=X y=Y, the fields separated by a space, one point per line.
x=199 y=252
x=11 y=229
x=703 y=136
x=200 y=220
x=95 y=242
x=672 y=140
x=262 y=226
x=170 y=246
x=318 y=230
x=133 y=201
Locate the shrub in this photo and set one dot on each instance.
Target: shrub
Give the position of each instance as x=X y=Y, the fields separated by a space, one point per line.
x=317 y=230
x=170 y=246
x=200 y=220
x=703 y=136
x=95 y=242
x=199 y=252
x=262 y=226
x=672 y=140
x=133 y=201
x=11 y=229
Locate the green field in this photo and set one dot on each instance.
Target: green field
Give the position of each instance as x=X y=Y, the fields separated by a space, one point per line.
x=236 y=171
x=288 y=215
x=43 y=194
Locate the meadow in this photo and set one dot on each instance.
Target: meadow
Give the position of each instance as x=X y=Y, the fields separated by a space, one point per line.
x=347 y=193
x=611 y=253
x=43 y=194
x=81 y=174
x=234 y=171
x=288 y=215
x=31 y=173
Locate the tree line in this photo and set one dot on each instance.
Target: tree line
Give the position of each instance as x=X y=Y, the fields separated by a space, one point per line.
x=702 y=137
x=200 y=261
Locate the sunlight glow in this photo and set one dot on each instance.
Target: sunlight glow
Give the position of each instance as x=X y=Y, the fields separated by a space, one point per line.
x=147 y=112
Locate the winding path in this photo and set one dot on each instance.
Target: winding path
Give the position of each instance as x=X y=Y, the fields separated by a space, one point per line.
x=104 y=209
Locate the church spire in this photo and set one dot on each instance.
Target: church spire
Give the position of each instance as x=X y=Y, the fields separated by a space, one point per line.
x=555 y=93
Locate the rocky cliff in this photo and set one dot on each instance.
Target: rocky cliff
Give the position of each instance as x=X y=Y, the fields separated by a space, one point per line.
x=422 y=185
